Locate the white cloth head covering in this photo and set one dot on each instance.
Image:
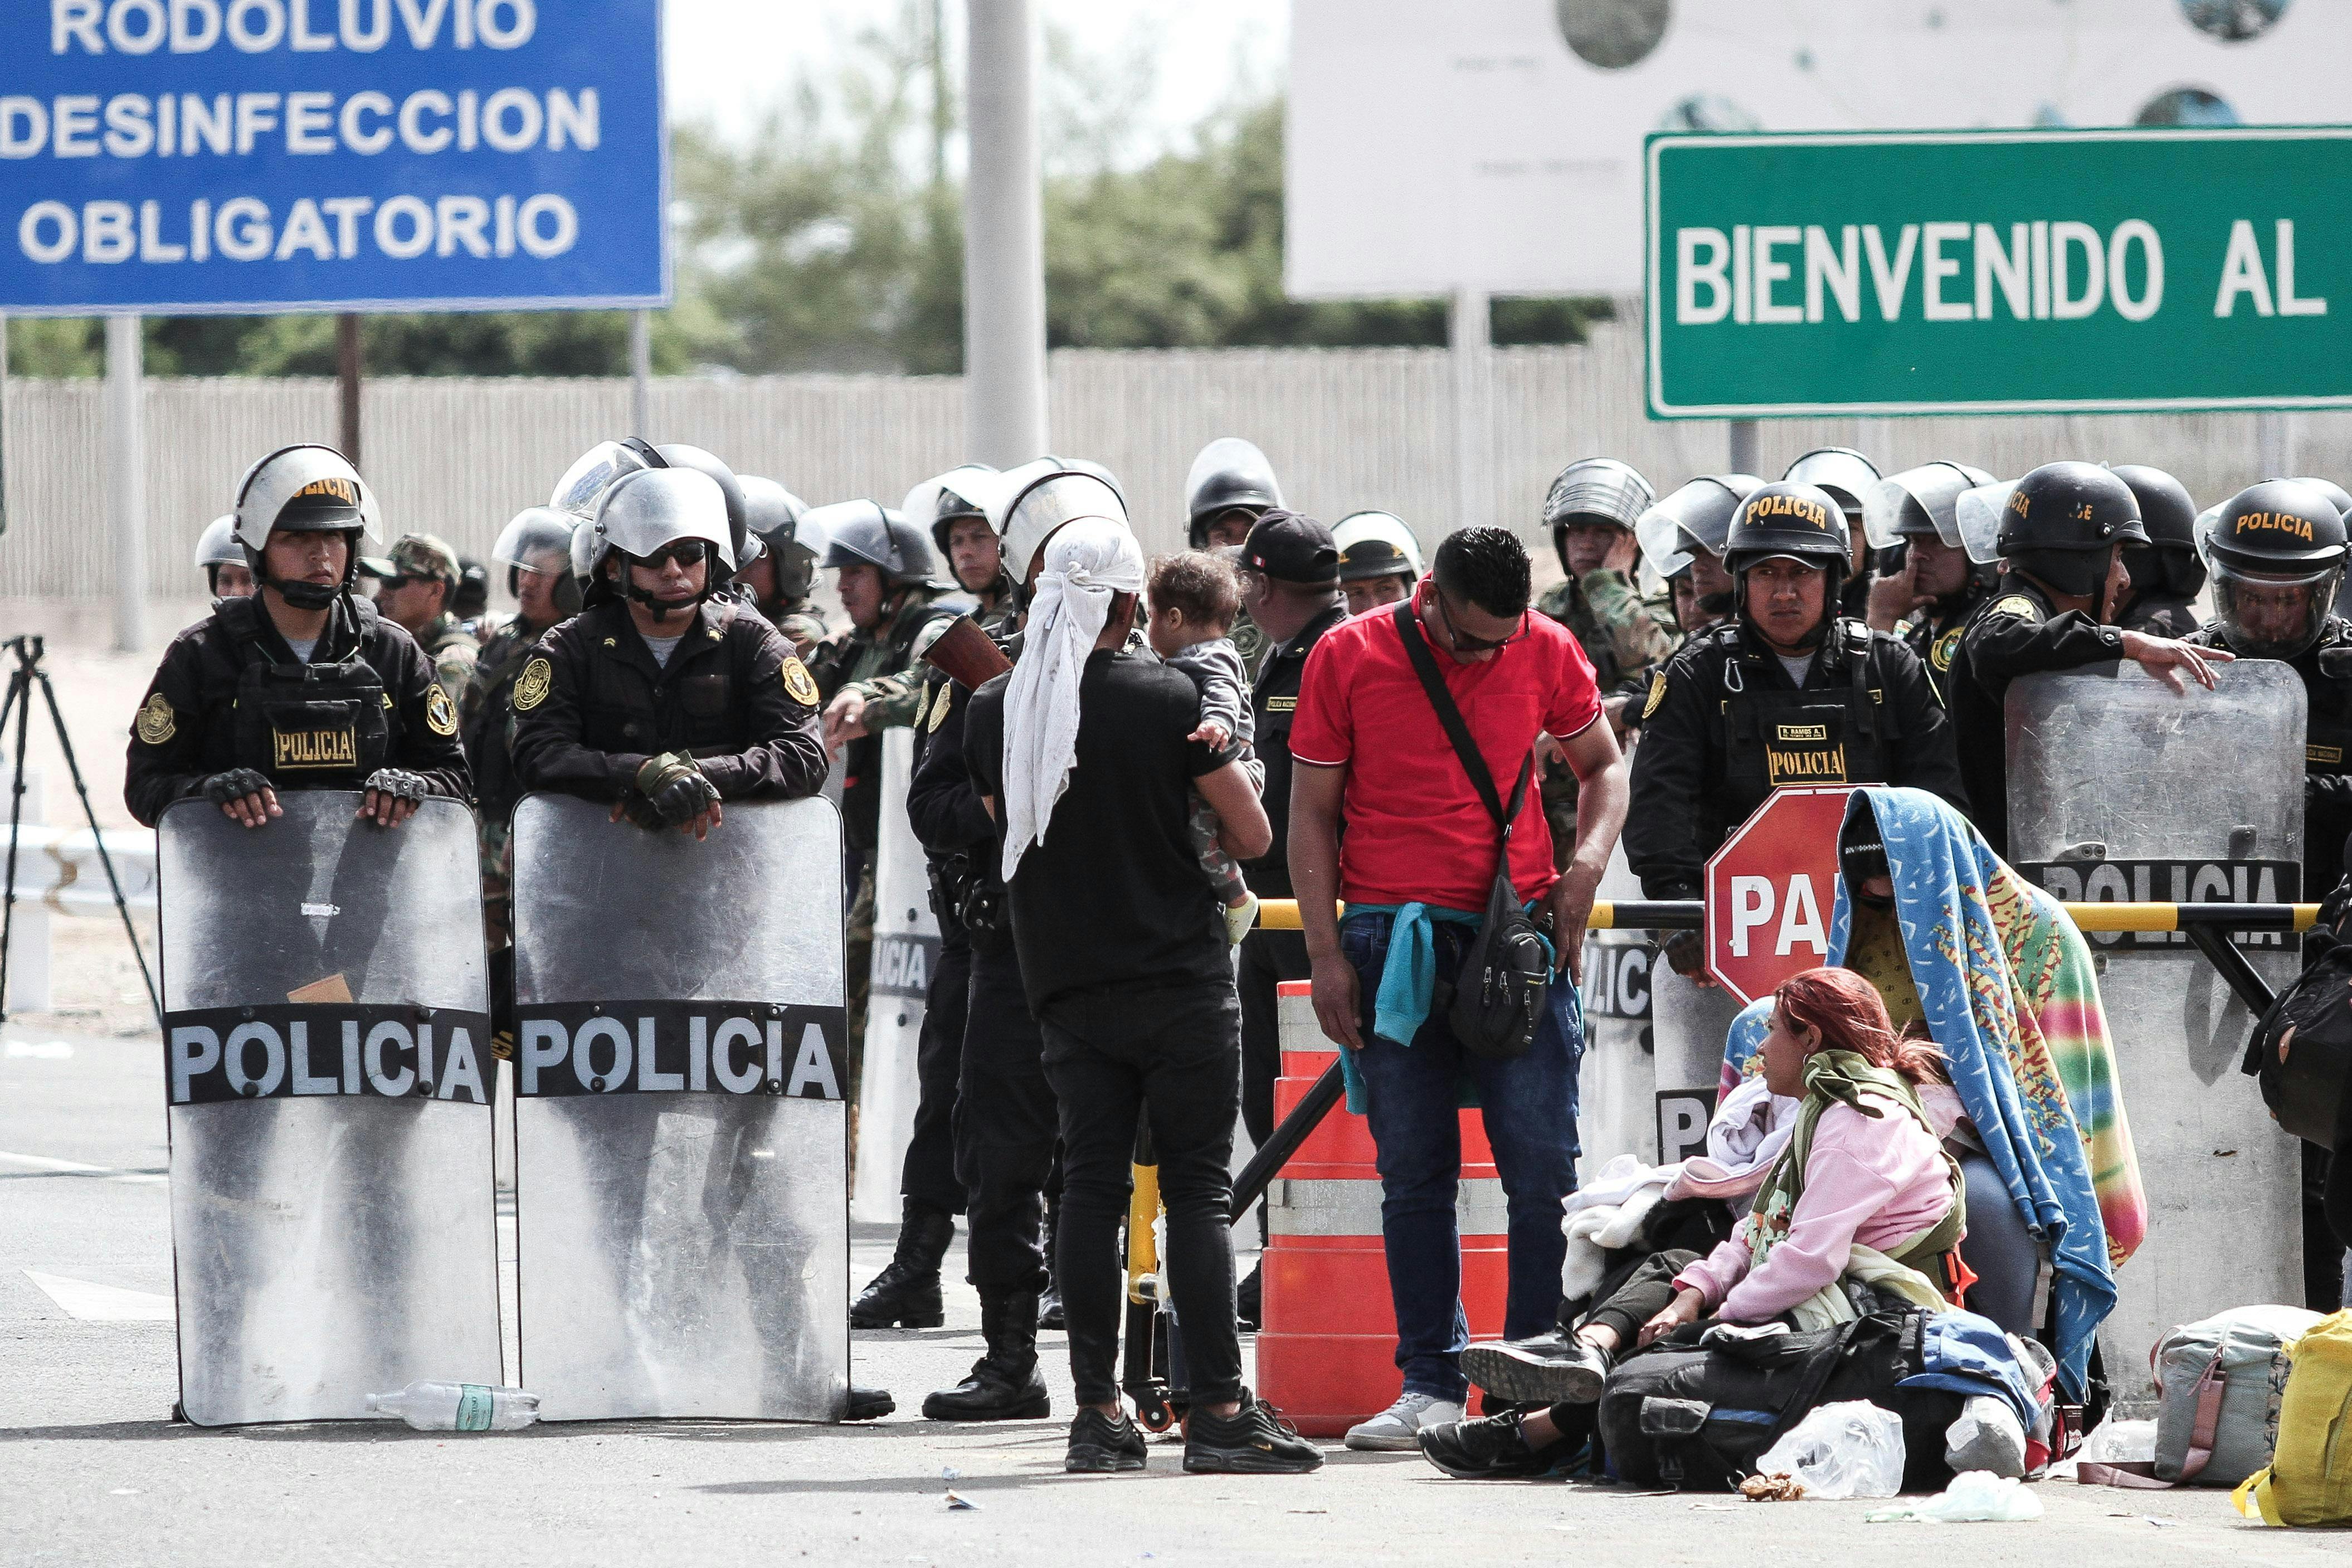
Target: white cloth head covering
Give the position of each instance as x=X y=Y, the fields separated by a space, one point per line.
x=1087 y=561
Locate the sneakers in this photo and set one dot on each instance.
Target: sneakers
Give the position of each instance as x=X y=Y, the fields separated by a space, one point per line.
x=1493 y=1449
x=1397 y=1429
x=1101 y=1445
x=1241 y=919
x=1553 y=1368
x=1253 y=1441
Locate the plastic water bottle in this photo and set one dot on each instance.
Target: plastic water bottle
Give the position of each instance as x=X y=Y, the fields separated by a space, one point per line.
x=458 y=1407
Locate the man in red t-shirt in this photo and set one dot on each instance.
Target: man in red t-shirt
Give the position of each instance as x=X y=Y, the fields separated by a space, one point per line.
x=1415 y=866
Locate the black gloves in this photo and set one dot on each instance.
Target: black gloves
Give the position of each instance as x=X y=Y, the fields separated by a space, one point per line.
x=399 y=783
x=675 y=788
x=1685 y=952
x=2328 y=789
x=233 y=784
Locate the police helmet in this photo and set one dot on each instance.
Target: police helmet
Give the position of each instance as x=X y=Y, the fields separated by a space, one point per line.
x=771 y=516
x=594 y=472
x=642 y=514
x=1376 y=544
x=1229 y=473
x=867 y=533
x=2340 y=498
x=2167 y=563
x=1918 y=503
x=1844 y=473
x=473 y=595
x=1697 y=517
x=2062 y=521
x=1594 y=489
x=527 y=542
x=1803 y=522
x=302 y=489
x=1029 y=502
x=940 y=501
x=2276 y=550
x=217 y=547
x=678 y=455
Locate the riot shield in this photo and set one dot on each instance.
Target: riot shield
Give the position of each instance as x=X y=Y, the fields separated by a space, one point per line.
x=1617 y=1082
x=1688 y=1021
x=681 y=1200
x=906 y=951
x=2121 y=790
x=326 y=1064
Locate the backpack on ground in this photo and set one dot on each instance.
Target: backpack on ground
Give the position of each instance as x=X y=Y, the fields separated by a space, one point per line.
x=2218 y=1385
x=2309 y=1480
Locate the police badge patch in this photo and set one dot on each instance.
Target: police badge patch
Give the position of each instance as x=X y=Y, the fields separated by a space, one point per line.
x=940 y=709
x=157 y=723
x=1941 y=654
x=530 y=687
x=2017 y=605
x=799 y=685
x=440 y=713
x=1657 y=694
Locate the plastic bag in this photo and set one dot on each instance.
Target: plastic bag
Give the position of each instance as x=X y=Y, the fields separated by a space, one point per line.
x=2118 y=1443
x=1974 y=1497
x=1853 y=1449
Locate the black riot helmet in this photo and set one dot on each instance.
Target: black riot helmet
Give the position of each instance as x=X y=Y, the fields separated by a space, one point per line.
x=867 y=533
x=1803 y=522
x=473 y=597
x=2276 y=550
x=2061 y=522
x=2337 y=496
x=1230 y=474
x=2167 y=563
x=772 y=515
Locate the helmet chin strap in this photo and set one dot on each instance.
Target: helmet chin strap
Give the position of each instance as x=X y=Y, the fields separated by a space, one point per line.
x=664 y=608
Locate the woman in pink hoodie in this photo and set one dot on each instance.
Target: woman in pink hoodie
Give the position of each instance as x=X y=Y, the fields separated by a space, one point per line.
x=1864 y=1187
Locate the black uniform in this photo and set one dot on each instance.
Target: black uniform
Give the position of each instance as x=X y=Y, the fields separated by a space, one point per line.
x=1269 y=957
x=231 y=694
x=955 y=833
x=1935 y=638
x=1724 y=726
x=2327 y=670
x=2162 y=616
x=2017 y=631
x=855 y=657
x=591 y=704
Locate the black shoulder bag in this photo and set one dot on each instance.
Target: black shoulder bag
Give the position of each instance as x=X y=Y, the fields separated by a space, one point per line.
x=1499 y=998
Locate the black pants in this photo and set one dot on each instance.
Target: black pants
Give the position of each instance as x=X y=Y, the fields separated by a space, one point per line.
x=1174 y=1059
x=1267 y=958
x=1003 y=1129
x=929 y=1176
x=1646 y=1292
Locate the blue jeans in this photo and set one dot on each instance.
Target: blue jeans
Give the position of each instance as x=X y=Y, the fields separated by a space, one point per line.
x=1528 y=1106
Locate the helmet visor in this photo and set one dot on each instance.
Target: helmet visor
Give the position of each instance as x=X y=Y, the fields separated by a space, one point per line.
x=584 y=484
x=1977 y=514
x=2273 y=616
x=1914 y=501
x=1665 y=547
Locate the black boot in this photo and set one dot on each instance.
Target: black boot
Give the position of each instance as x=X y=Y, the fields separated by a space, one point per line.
x=1049 y=1305
x=908 y=1291
x=1004 y=1384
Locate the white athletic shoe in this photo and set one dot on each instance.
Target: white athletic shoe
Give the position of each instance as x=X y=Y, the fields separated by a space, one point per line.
x=1397 y=1429
x=1239 y=918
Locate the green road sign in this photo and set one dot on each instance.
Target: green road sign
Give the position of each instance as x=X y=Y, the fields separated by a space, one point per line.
x=1999 y=272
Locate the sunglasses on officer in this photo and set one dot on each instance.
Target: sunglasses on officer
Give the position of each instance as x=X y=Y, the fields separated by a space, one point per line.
x=1463 y=642
x=684 y=553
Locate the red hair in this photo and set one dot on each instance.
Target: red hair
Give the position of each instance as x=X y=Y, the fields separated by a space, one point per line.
x=1851 y=1016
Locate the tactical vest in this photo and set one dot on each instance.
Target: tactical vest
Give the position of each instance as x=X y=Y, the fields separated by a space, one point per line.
x=307 y=726
x=1773 y=739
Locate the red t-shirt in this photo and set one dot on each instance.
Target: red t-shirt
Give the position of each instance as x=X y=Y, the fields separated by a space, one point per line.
x=1416 y=830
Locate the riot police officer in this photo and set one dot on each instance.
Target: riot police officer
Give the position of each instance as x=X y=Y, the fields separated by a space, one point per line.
x=221 y=560
x=779 y=582
x=960 y=532
x=1380 y=562
x=1846 y=476
x=1790 y=692
x=471 y=604
x=302 y=685
x=2167 y=575
x=1230 y=486
x=2061 y=532
x=1931 y=585
x=1682 y=539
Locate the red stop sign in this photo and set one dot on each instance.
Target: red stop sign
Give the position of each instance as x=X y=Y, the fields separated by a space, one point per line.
x=1770 y=891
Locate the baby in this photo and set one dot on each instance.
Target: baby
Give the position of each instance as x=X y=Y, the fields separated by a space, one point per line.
x=1194 y=598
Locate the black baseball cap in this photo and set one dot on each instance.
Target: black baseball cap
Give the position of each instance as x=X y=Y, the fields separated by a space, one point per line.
x=1291 y=548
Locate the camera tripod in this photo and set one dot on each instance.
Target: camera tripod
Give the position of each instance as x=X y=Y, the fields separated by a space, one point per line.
x=29 y=650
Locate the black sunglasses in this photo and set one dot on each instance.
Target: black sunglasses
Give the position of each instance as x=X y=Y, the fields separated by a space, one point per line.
x=1463 y=641
x=684 y=553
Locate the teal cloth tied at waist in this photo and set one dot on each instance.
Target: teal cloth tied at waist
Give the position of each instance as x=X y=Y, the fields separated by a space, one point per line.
x=1408 y=982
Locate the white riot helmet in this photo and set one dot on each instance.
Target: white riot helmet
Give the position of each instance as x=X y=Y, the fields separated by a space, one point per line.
x=1032 y=502
x=537 y=535
x=302 y=489
x=217 y=547
x=597 y=470
x=643 y=514
x=1376 y=544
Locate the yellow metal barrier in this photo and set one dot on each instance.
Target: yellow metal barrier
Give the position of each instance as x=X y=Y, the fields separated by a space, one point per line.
x=1282 y=914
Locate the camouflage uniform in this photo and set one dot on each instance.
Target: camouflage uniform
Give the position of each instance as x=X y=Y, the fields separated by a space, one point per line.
x=486 y=723
x=1623 y=635
x=445 y=640
x=802 y=625
x=454 y=652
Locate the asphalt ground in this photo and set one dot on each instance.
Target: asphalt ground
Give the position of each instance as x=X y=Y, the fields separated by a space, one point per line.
x=92 y=1470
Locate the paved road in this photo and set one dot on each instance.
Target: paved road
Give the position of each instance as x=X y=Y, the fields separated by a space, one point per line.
x=90 y=1470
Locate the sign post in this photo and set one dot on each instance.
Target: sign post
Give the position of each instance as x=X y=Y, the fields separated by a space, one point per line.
x=1998 y=272
x=1770 y=892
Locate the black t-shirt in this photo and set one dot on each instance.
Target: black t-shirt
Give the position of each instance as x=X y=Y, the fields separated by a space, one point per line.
x=1113 y=903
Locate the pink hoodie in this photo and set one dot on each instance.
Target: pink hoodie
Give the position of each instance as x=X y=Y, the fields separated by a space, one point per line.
x=1878 y=1181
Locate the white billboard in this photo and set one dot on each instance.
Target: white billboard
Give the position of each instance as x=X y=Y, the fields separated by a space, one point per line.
x=1497 y=144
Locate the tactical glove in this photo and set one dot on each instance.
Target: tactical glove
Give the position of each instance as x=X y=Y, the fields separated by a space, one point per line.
x=675 y=787
x=1685 y=952
x=233 y=784
x=399 y=783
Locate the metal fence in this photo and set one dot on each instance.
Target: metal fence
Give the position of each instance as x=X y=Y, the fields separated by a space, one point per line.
x=1346 y=428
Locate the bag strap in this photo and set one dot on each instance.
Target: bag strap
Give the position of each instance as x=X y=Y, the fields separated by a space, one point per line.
x=2210 y=1389
x=1432 y=684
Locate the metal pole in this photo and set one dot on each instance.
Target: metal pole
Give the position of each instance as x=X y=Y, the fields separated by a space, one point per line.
x=1743 y=447
x=1004 y=239
x=347 y=383
x=126 y=464
x=1470 y=331
x=4 y=422
x=641 y=372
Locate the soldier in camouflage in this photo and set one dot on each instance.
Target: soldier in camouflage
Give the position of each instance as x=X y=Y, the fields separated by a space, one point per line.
x=779 y=581
x=416 y=589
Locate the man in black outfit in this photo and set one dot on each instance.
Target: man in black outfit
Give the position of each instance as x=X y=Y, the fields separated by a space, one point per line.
x=1123 y=951
x=1290 y=587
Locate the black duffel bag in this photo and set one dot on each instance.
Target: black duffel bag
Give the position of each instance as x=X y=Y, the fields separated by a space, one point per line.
x=1698 y=1416
x=2301 y=1054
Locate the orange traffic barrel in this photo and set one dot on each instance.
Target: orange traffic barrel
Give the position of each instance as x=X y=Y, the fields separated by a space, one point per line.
x=1327 y=1344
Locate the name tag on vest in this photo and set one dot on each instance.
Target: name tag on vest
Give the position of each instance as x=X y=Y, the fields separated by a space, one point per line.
x=336 y=747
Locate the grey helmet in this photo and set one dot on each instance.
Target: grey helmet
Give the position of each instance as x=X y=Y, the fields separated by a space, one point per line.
x=1374 y=544
x=939 y=502
x=1918 y=502
x=594 y=472
x=301 y=490
x=678 y=455
x=1696 y=517
x=1601 y=489
x=1229 y=473
x=772 y=515
x=532 y=536
x=868 y=533
x=216 y=545
x=1029 y=502
x=642 y=514
x=1843 y=472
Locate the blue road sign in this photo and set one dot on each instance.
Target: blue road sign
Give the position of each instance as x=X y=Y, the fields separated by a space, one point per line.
x=177 y=157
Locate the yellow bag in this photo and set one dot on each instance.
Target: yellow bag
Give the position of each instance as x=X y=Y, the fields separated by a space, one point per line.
x=2309 y=1480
